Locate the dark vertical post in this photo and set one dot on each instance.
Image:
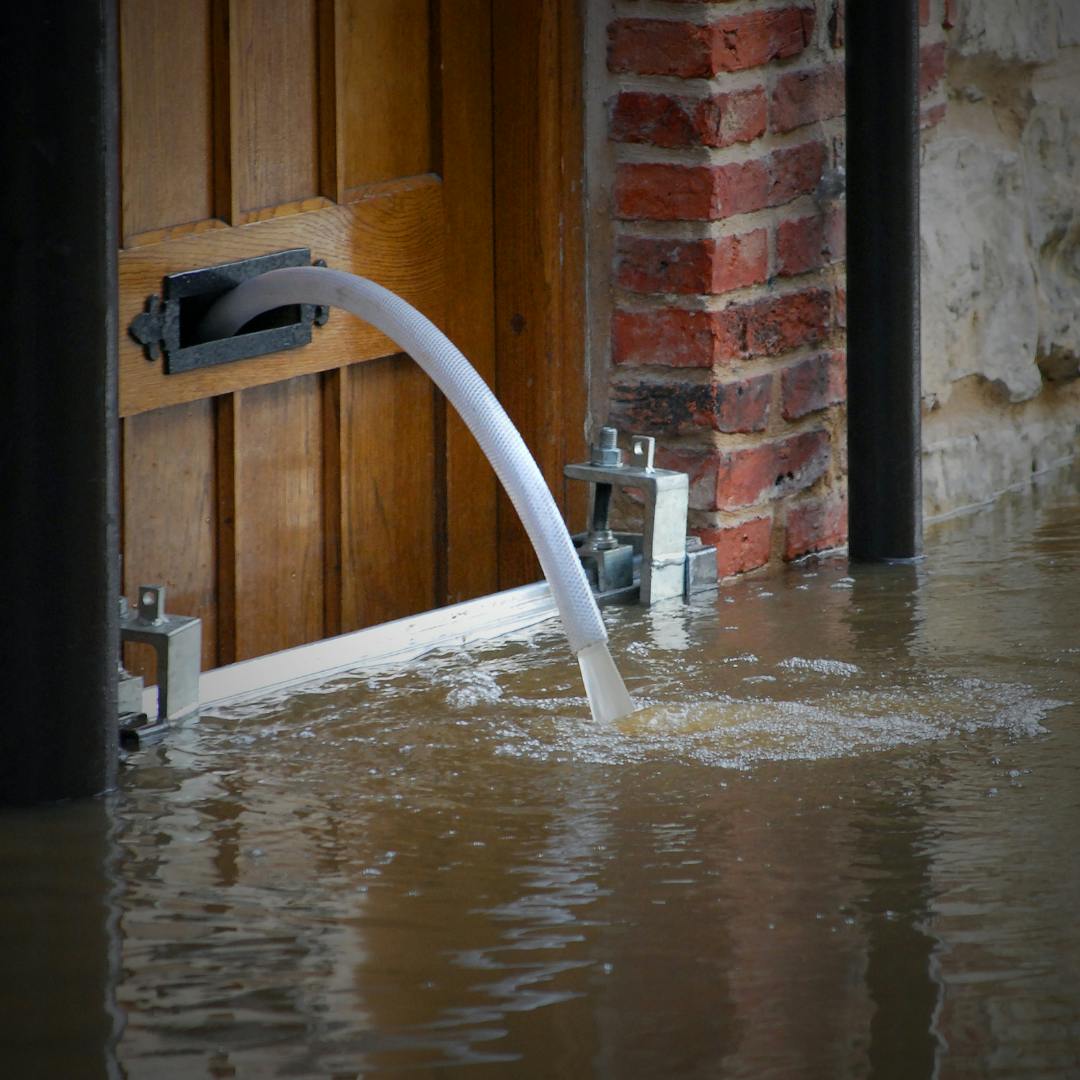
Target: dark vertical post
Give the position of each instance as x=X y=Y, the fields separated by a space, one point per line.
x=884 y=430
x=58 y=423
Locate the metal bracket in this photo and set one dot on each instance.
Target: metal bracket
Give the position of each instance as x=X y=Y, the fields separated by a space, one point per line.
x=177 y=640
x=667 y=496
x=168 y=325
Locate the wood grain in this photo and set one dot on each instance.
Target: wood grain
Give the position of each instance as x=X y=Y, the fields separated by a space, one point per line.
x=275 y=51
x=169 y=516
x=538 y=336
x=395 y=238
x=388 y=548
x=166 y=132
x=277 y=452
x=331 y=31
x=386 y=110
x=470 y=514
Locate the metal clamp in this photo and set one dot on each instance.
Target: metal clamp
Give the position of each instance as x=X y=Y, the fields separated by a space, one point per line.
x=667 y=496
x=177 y=640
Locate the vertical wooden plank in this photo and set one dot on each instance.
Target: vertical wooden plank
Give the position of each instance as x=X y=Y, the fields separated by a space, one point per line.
x=336 y=421
x=277 y=101
x=465 y=123
x=169 y=516
x=572 y=331
x=278 y=516
x=331 y=28
x=537 y=338
x=226 y=110
x=388 y=548
x=165 y=110
x=387 y=89
x=225 y=416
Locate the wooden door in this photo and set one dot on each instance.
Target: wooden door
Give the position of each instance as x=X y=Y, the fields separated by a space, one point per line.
x=432 y=145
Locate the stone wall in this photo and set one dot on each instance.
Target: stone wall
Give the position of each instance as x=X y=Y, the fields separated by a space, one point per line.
x=715 y=141
x=1000 y=248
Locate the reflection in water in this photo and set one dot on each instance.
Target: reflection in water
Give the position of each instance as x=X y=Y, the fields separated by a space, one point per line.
x=837 y=841
x=59 y=942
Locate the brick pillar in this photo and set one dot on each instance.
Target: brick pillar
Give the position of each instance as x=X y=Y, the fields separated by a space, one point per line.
x=726 y=127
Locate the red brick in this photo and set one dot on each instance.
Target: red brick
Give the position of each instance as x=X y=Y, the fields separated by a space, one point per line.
x=931 y=66
x=809 y=243
x=660 y=47
x=949 y=14
x=663 y=192
x=672 y=121
x=781 y=323
x=724 y=119
x=800 y=246
x=795 y=172
x=813 y=384
x=729 y=480
x=777 y=468
x=670 y=337
x=659 y=119
x=924 y=12
x=747 y=41
x=644 y=264
x=741 y=547
x=680 y=408
x=805 y=97
x=691 y=50
x=815 y=526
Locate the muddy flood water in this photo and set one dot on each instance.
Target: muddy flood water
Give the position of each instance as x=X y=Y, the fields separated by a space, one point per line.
x=839 y=840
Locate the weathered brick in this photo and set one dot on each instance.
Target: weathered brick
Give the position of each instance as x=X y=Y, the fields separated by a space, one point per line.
x=795 y=172
x=813 y=384
x=663 y=192
x=809 y=243
x=800 y=246
x=931 y=66
x=692 y=50
x=660 y=47
x=747 y=41
x=924 y=12
x=776 y=468
x=670 y=337
x=681 y=408
x=673 y=121
x=805 y=97
x=815 y=526
x=741 y=547
x=949 y=14
x=781 y=323
x=659 y=119
x=712 y=266
x=732 y=479
x=724 y=119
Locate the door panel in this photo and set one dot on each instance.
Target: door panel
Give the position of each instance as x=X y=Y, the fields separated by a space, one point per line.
x=288 y=497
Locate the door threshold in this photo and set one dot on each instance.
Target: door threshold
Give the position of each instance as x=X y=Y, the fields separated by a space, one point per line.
x=487 y=617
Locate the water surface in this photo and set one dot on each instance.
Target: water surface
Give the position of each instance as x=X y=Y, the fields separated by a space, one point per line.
x=839 y=840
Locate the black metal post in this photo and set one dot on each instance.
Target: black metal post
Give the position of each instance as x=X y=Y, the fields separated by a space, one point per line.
x=58 y=424
x=884 y=378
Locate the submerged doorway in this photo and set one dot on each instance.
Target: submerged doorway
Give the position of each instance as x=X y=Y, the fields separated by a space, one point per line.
x=433 y=146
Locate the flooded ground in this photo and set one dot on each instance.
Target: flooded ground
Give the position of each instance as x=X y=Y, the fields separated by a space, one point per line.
x=839 y=840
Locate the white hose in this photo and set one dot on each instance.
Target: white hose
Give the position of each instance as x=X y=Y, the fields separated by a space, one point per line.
x=464 y=389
